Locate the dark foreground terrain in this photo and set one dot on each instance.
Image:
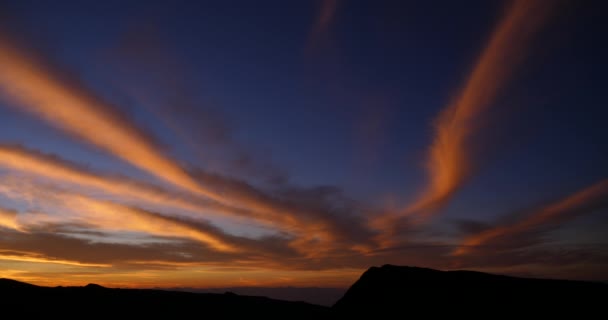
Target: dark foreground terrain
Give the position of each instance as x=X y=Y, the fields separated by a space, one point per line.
x=394 y=289
x=388 y=290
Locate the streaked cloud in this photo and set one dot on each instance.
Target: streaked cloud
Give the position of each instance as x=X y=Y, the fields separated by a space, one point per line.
x=37 y=258
x=72 y=208
x=54 y=167
x=110 y=216
x=41 y=93
x=195 y=118
x=450 y=161
x=8 y=219
x=584 y=201
x=306 y=214
x=450 y=158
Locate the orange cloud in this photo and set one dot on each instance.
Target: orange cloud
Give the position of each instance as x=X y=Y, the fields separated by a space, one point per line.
x=449 y=160
x=260 y=209
x=103 y=215
x=581 y=202
x=8 y=219
x=17 y=158
x=37 y=258
x=309 y=230
x=114 y=217
x=40 y=92
x=75 y=111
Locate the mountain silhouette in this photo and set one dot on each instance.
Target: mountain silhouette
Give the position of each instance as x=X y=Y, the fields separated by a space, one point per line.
x=96 y=301
x=390 y=289
x=10 y=284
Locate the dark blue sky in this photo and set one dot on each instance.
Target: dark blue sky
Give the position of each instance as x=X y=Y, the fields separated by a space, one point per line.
x=269 y=96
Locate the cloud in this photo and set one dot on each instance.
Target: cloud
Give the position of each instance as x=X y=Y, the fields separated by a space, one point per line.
x=110 y=216
x=41 y=93
x=71 y=208
x=582 y=202
x=8 y=219
x=310 y=215
x=449 y=159
x=37 y=258
x=449 y=162
x=318 y=220
x=545 y=261
x=182 y=105
x=56 y=168
x=325 y=230
x=322 y=217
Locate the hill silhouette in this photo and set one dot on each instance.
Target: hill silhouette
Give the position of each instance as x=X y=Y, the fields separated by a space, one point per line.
x=396 y=289
x=387 y=290
x=97 y=301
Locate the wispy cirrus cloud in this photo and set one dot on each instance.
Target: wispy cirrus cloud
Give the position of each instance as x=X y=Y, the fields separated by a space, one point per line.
x=54 y=167
x=183 y=107
x=310 y=216
x=74 y=209
x=450 y=158
x=8 y=219
x=450 y=161
x=38 y=258
x=582 y=202
x=39 y=92
x=80 y=113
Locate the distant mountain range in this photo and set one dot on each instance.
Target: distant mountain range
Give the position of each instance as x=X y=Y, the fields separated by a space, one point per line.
x=387 y=290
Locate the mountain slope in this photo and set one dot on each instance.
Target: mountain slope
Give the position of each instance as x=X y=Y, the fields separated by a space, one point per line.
x=398 y=289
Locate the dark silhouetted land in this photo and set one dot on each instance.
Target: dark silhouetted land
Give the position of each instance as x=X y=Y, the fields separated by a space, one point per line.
x=389 y=290
x=94 y=301
x=395 y=289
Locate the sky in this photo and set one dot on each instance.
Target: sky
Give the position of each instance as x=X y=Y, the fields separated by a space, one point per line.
x=297 y=143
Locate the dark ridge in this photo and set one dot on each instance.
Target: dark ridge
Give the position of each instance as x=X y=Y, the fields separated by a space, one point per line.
x=35 y=301
x=14 y=284
x=395 y=289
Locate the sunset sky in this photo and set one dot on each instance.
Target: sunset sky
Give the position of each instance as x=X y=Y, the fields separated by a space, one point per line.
x=297 y=143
